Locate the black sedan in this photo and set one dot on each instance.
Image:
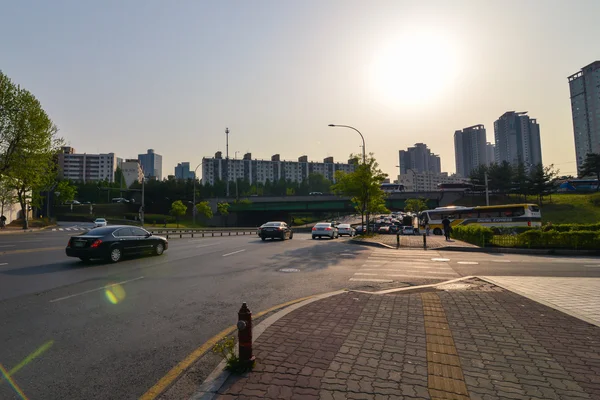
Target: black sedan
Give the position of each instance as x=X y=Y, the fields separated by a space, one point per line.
x=114 y=242
x=279 y=230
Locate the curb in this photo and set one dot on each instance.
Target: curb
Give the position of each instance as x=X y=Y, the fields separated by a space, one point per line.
x=371 y=244
x=537 y=300
x=30 y=230
x=517 y=250
x=209 y=389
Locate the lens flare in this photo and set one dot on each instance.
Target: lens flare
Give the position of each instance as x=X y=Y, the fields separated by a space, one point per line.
x=114 y=293
x=12 y=382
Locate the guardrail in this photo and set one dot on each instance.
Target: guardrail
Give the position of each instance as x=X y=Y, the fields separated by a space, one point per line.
x=173 y=232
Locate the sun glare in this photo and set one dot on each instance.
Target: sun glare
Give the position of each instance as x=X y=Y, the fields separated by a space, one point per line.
x=414 y=68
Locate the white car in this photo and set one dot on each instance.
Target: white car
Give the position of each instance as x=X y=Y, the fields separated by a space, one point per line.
x=346 y=229
x=327 y=229
x=408 y=230
x=100 y=222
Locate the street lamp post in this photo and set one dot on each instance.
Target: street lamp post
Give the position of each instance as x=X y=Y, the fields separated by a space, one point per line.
x=235 y=175
x=364 y=163
x=227 y=157
x=194 y=195
x=361 y=136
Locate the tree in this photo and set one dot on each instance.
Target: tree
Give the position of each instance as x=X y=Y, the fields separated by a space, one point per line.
x=7 y=195
x=318 y=183
x=223 y=208
x=30 y=161
x=363 y=186
x=500 y=177
x=520 y=183
x=65 y=191
x=591 y=166
x=477 y=177
x=178 y=209
x=204 y=209
x=415 y=206
x=541 y=180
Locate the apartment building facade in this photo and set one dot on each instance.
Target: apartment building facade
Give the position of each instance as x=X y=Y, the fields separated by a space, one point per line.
x=259 y=171
x=83 y=167
x=517 y=138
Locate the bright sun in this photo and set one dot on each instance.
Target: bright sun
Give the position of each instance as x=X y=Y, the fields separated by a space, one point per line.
x=414 y=68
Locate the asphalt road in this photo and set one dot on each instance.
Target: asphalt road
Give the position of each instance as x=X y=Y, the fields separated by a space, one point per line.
x=99 y=345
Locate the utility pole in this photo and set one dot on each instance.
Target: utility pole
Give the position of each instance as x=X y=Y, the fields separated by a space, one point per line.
x=142 y=208
x=227 y=158
x=487 y=192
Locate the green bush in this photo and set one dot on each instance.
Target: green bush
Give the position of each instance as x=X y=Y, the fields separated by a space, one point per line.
x=554 y=239
x=474 y=234
x=512 y=230
x=572 y=227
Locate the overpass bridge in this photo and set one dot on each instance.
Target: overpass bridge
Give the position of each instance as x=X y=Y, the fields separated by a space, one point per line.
x=326 y=203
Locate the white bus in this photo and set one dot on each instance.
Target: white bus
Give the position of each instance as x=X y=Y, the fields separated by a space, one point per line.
x=392 y=187
x=504 y=216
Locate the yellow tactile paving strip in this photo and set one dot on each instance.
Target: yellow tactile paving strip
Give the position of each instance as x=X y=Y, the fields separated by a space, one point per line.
x=445 y=377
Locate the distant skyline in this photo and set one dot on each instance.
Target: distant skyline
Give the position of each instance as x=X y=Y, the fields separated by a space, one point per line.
x=125 y=77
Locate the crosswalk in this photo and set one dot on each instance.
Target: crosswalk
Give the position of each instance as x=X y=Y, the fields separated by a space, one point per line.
x=385 y=266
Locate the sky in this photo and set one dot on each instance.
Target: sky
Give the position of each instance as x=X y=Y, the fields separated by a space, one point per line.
x=126 y=76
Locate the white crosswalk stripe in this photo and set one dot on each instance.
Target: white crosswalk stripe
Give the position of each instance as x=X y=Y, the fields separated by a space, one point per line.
x=389 y=265
x=73 y=228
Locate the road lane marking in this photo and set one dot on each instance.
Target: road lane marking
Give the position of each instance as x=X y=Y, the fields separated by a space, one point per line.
x=8 y=245
x=97 y=289
x=206 y=245
x=180 y=368
x=468 y=262
x=446 y=272
x=440 y=259
x=410 y=276
x=31 y=250
x=588 y=266
x=420 y=267
x=501 y=261
x=371 y=280
x=3 y=264
x=235 y=252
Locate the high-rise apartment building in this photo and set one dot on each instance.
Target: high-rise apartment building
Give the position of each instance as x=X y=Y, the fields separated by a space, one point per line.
x=151 y=164
x=584 y=87
x=470 y=149
x=490 y=153
x=132 y=171
x=419 y=159
x=86 y=167
x=259 y=171
x=182 y=171
x=426 y=181
x=517 y=139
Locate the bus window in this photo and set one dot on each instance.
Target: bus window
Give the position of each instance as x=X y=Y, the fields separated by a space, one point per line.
x=534 y=209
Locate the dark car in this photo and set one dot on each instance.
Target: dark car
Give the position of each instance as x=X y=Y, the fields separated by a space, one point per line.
x=114 y=242
x=276 y=229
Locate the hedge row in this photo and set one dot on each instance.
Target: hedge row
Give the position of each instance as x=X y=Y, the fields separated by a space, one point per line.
x=572 y=227
x=152 y=218
x=474 y=234
x=553 y=239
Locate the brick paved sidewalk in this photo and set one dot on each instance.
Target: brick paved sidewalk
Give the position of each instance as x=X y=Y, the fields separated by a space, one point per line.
x=416 y=241
x=471 y=341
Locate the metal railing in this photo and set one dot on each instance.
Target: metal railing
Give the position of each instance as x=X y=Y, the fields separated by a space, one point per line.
x=180 y=232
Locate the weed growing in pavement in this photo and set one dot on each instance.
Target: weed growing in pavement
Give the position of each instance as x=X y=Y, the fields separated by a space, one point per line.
x=226 y=348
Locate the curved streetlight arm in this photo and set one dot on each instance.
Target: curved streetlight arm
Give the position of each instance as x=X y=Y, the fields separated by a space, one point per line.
x=361 y=136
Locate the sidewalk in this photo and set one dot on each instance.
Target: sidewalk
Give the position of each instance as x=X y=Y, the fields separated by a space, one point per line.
x=465 y=340
x=415 y=241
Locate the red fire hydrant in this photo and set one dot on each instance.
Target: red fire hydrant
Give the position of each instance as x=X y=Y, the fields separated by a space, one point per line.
x=244 y=326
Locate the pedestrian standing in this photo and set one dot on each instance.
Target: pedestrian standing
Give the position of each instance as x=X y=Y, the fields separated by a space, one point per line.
x=446 y=224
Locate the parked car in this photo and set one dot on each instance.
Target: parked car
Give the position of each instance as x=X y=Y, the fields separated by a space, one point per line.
x=384 y=229
x=360 y=229
x=74 y=202
x=346 y=229
x=408 y=230
x=98 y=222
x=275 y=229
x=115 y=242
x=395 y=229
x=327 y=229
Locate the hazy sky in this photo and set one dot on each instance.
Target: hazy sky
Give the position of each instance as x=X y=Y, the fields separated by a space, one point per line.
x=125 y=76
